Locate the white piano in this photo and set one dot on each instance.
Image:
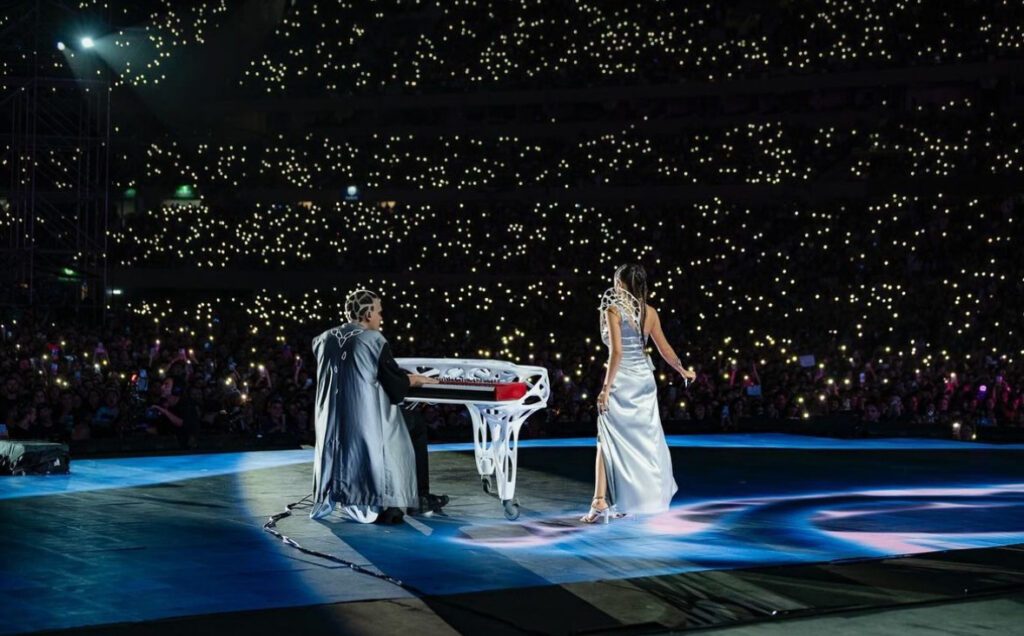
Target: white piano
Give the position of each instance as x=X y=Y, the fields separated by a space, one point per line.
x=500 y=396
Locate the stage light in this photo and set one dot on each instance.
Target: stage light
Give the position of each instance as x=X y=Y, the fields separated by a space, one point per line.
x=88 y=43
x=61 y=46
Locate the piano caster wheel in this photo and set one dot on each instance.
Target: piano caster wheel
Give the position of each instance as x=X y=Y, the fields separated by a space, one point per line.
x=488 y=483
x=511 y=509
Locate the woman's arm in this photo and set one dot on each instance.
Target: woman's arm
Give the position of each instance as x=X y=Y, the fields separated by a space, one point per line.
x=664 y=348
x=615 y=356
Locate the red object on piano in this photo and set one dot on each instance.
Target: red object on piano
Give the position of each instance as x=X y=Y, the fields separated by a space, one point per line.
x=502 y=390
x=509 y=391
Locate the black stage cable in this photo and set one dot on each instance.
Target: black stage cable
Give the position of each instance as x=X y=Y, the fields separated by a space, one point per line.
x=271 y=527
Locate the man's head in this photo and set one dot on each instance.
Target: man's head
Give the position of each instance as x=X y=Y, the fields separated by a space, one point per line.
x=363 y=306
x=170 y=390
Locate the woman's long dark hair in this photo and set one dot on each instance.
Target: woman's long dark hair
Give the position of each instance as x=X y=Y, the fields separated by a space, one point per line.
x=634 y=279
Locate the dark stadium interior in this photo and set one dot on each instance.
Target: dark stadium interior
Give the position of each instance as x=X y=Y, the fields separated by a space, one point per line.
x=826 y=197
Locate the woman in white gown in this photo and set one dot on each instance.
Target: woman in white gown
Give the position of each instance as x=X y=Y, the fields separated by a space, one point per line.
x=633 y=472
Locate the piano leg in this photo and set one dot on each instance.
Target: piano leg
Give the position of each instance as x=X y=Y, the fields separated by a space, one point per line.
x=482 y=450
x=504 y=447
x=496 y=448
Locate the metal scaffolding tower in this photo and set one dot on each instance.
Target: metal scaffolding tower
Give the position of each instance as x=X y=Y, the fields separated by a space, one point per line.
x=56 y=160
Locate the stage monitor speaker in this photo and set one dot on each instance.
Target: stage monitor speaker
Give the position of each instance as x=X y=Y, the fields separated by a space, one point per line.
x=33 y=458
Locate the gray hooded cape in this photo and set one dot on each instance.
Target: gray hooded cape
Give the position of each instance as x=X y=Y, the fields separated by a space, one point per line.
x=363 y=456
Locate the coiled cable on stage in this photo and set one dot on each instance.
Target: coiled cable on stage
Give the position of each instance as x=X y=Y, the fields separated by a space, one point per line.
x=271 y=527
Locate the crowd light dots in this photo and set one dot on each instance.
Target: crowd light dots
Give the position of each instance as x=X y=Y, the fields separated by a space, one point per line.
x=523 y=43
x=832 y=278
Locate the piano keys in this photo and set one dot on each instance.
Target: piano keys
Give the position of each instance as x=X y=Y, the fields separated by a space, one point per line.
x=469 y=392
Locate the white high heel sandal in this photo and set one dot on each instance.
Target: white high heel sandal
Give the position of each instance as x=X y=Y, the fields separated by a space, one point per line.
x=595 y=514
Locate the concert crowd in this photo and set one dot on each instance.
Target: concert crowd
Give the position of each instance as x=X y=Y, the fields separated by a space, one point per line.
x=845 y=252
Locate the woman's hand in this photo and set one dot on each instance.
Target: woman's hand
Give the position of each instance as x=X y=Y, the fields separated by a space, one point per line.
x=602 y=401
x=688 y=374
x=420 y=380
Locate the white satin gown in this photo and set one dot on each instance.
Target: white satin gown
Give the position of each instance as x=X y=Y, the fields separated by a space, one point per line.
x=636 y=457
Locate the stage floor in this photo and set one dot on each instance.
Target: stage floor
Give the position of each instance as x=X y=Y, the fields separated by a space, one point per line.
x=140 y=539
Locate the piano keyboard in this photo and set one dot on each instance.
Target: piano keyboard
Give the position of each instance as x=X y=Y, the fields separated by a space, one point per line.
x=470 y=392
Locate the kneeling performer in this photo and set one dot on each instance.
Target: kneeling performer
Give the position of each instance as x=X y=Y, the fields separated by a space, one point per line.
x=364 y=458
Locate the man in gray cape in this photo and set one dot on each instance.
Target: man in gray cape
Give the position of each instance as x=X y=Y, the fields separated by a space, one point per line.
x=364 y=458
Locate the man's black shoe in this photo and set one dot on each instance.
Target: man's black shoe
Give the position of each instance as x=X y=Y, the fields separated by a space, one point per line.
x=440 y=500
x=433 y=503
x=390 y=516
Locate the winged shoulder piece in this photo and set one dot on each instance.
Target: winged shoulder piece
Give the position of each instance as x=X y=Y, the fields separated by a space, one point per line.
x=626 y=303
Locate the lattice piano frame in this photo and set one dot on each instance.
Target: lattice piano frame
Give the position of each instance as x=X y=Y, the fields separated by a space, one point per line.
x=495 y=424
